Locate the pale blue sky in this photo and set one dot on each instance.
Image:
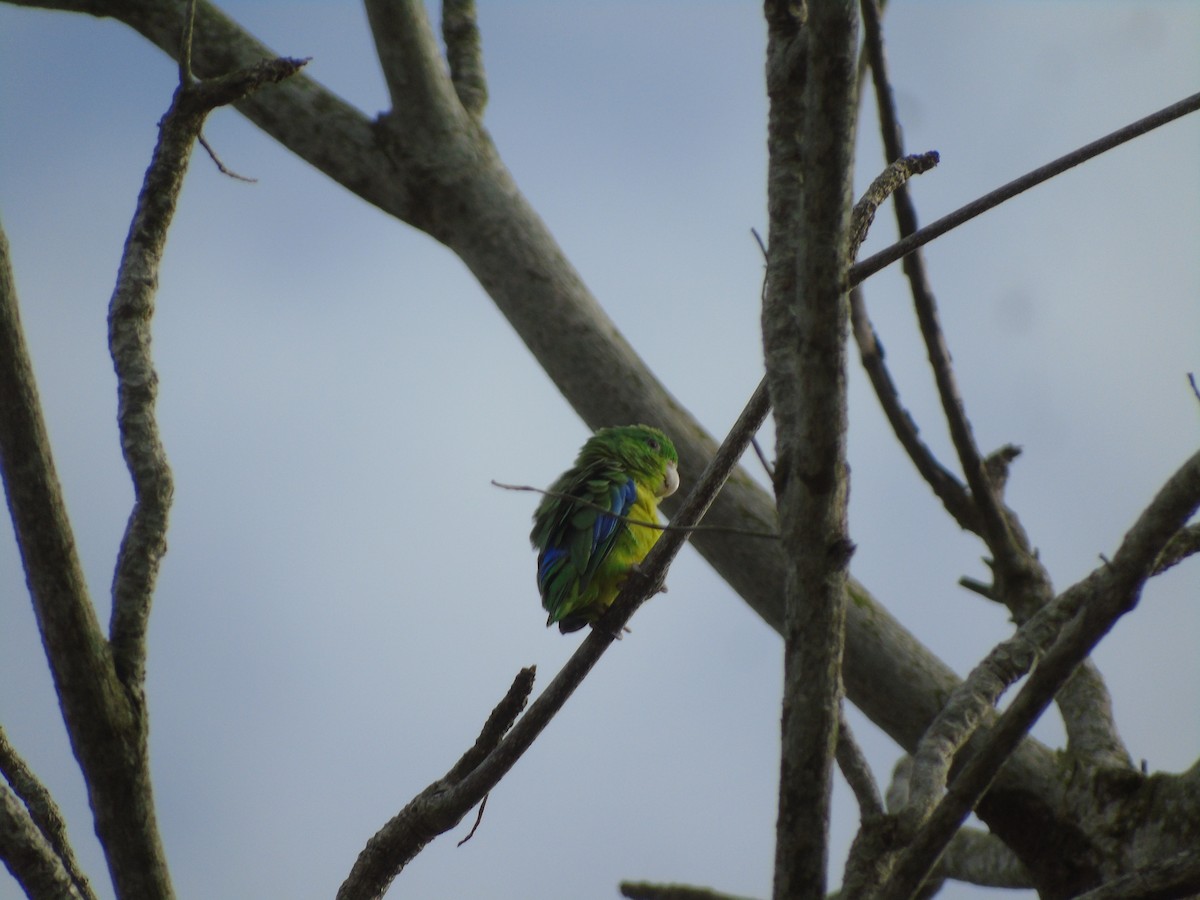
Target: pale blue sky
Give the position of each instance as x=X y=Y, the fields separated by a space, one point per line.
x=346 y=596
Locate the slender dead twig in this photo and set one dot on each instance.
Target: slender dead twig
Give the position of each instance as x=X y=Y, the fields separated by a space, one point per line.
x=857 y=771
x=952 y=492
x=992 y=517
x=861 y=271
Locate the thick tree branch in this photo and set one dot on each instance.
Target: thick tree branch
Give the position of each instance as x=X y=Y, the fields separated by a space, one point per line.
x=805 y=320
x=106 y=736
x=1171 y=879
x=443 y=804
x=423 y=98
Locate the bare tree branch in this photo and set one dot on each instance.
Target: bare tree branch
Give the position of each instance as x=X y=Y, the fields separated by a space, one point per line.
x=29 y=856
x=43 y=812
x=464 y=54
x=805 y=326
x=644 y=890
x=1177 y=877
x=105 y=734
x=443 y=804
x=894 y=177
x=425 y=816
x=1104 y=596
x=977 y=857
x=952 y=492
x=1184 y=544
x=857 y=771
x=1022 y=582
x=868 y=267
x=129 y=314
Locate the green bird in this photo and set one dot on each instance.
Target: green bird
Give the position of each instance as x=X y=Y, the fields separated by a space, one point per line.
x=584 y=551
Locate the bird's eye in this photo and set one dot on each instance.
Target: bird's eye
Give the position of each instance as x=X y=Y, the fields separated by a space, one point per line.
x=653 y=444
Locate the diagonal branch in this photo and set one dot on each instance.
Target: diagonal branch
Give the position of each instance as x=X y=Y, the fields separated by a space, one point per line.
x=952 y=492
x=443 y=804
x=1100 y=599
x=43 y=813
x=863 y=270
x=27 y=854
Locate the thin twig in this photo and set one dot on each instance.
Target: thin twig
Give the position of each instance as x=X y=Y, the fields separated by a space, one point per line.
x=891 y=180
x=952 y=492
x=762 y=458
x=478 y=819
x=857 y=771
x=996 y=524
x=869 y=266
x=657 y=526
x=221 y=167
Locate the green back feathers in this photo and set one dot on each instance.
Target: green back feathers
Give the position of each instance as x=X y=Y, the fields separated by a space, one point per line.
x=577 y=566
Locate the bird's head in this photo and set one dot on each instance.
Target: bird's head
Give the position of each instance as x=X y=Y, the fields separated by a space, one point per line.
x=645 y=452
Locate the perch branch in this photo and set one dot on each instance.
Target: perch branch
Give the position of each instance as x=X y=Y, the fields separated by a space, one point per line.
x=442 y=804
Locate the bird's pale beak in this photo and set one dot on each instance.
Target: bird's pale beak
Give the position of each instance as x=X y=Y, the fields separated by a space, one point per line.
x=670 y=481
